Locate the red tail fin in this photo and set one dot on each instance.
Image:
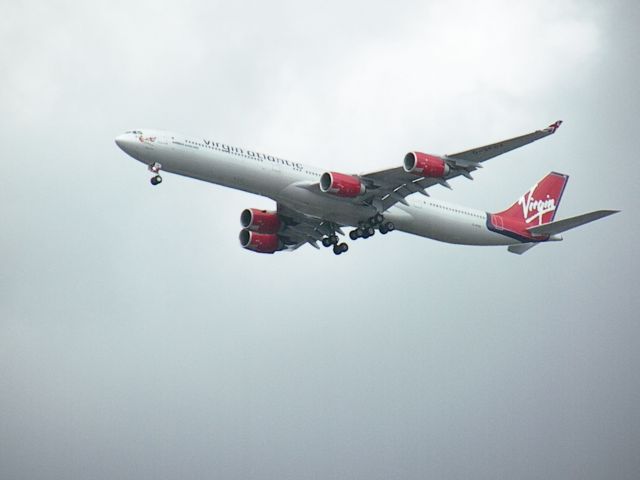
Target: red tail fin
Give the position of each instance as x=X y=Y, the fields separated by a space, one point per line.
x=539 y=204
x=536 y=207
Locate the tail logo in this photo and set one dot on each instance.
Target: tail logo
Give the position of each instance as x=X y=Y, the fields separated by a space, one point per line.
x=533 y=209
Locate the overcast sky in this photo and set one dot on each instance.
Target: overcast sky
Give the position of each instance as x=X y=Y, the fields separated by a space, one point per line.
x=138 y=340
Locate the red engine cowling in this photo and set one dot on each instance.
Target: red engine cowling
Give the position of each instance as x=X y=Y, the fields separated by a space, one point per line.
x=260 y=242
x=260 y=221
x=425 y=165
x=341 y=185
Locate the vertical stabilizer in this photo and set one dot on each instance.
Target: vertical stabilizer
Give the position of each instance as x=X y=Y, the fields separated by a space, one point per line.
x=539 y=204
x=535 y=207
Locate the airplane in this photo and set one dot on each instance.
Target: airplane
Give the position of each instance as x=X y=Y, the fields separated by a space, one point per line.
x=313 y=205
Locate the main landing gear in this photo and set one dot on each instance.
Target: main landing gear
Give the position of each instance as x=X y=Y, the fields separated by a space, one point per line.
x=365 y=229
x=155 y=168
x=368 y=228
x=338 y=248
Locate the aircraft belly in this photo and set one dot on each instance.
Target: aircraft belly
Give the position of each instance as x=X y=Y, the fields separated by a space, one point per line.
x=443 y=226
x=323 y=205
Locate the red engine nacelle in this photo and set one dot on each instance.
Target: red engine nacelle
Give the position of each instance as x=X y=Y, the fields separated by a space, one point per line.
x=424 y=164
x=260 y=242
x=341 y=185
x=260 y=221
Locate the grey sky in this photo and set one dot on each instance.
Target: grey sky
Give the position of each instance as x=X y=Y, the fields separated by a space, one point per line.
x=138 y=340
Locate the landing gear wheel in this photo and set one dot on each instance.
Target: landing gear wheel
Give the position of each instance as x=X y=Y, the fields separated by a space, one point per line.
x=156 y=180
x=370 y=231
x=377 y=218
x=340 y=248
x=330 y=240
x=390 y=226
x=383 y=229
x=353 y=235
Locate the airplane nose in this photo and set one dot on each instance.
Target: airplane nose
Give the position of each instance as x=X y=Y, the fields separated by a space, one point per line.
x=122 y=140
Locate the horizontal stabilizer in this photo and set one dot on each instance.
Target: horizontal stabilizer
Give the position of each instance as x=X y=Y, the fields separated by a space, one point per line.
x=560 y=226
x=521 y=248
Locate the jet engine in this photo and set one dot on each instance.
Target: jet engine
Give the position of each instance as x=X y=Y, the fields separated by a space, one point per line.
x=341 y=185
x=260 y=242
x=260 y=221
x=425 y=165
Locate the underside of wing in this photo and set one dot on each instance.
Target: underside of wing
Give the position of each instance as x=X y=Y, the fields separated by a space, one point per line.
x=385 y=188
x=300 y=228
x=265 y=231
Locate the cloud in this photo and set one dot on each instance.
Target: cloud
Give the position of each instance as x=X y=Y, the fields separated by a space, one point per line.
x=426 y=73
x=137 y=339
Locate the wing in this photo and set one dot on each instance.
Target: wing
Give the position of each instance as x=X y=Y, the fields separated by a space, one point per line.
x=301 y=228
x=486 y=152
x=387 y=187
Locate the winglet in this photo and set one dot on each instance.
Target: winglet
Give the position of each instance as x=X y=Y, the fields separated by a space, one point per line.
x=553 y=127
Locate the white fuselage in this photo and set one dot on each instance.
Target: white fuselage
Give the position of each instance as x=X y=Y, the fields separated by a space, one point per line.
x=284 y=181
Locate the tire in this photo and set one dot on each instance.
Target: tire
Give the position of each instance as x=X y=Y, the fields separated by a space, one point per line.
x=378 y=218
x=343 y=247
x=390 y=226
x=383 y=230
x=370 y=231
x=353 y=235
x=326 y=242
x=337 y=250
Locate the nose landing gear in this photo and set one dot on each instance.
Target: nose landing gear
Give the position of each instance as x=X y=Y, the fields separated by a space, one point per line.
x=155 y=168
